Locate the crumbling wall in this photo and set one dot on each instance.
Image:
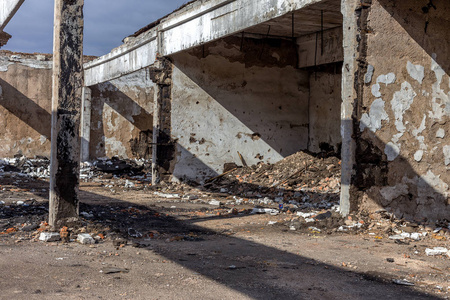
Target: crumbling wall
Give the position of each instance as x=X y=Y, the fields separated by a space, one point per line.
x=237 y=94
x=121 y=118
x=403 y=142
x=25 y=104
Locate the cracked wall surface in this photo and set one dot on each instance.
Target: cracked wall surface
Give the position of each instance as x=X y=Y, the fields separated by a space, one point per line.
x=405 y=110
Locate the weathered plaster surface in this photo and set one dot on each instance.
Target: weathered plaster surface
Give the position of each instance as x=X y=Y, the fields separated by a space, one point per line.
x=25 y=104
x=226 y=100
x=324 y=112
x=414 y=110
x=121 y=113
x=122 y=117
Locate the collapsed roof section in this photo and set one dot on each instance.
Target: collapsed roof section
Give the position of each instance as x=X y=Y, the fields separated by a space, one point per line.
x=8 y=9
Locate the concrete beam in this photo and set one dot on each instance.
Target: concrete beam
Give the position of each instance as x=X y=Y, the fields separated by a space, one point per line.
x=312 y=53
x=66 y=106
x=85 y=123
x=198 y=23
x=8 y=9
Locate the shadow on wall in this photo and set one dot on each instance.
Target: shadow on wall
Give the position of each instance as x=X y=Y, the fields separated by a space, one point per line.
x=397 y=188
x=427 y=22
x=401 y=156
x=25 y=109
x=128 y=128
x=259 y=92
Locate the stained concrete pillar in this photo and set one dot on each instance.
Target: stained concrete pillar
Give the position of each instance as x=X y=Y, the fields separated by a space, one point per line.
x=163 y=147
x=66 y=107
x=85 y=123
x=353 y=70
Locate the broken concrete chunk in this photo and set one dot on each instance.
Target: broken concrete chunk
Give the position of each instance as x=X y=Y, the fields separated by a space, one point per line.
x=49 y=236
x=85 y=239
x=436 y=251
x=167 y=196
x=215 y=202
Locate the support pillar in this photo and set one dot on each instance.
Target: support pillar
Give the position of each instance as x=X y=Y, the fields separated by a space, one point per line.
x=85 y=123
x=163 y=150
x=66 y=107
x=355 y=47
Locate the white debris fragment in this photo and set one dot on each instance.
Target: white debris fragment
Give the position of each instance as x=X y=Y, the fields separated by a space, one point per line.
x=306 y=215
x=85 y=239
x=49 y=236
x=436 y=251
x=167 y=196
x=215 y=202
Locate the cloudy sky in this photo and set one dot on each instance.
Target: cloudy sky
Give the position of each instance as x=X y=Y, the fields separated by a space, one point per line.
x=107 y=22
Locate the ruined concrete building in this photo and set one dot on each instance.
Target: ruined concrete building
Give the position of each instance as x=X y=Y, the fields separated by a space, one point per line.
x=365 y=79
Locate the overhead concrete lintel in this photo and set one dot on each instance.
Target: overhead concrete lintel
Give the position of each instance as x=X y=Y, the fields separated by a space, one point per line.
x=196 y=24
x=8 y=9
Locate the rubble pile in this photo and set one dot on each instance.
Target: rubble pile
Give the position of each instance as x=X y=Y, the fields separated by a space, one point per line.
x=300 y=179
x=36 y=168
x=39 y=167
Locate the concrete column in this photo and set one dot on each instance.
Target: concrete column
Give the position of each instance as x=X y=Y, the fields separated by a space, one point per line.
x=163 y=147
x=354 y=42
x=85 y=123
x=156 y=176
x=66 y=107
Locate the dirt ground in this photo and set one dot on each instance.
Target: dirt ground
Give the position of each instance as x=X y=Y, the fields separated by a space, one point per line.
x=151 y=247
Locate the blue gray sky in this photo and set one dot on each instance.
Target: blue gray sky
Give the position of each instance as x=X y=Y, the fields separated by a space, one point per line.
x=106 y=23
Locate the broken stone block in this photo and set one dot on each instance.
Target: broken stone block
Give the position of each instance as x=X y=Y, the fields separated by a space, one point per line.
x=85 y=239
x=436 y=251
x=215 y=202
x=49 y=236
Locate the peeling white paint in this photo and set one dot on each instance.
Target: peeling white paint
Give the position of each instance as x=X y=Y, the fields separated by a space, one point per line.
x=401 y=102
x=5 y=62
x=446 y=150
x=440 y=103
x=369 y=74
x=440 y=133
x=435 y=182
x=392 y=151
x=417 y=72
x=389 y=193
x=376 y=90
x=418 y=155
x=418 y=131
x=373 y=119
x=43 y=139
x=386 y=79
x=115 y=146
